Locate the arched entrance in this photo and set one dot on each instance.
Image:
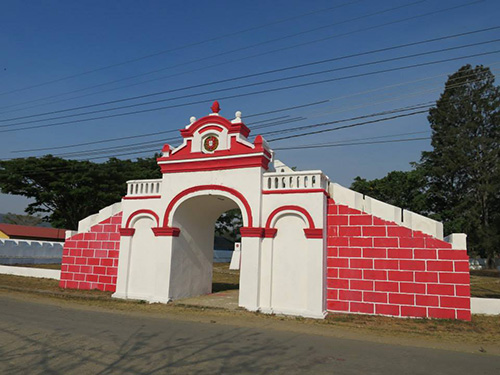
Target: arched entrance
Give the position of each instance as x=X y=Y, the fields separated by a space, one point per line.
x=192 y=250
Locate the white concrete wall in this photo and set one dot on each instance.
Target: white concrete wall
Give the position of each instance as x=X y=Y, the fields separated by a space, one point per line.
x=85 y=224
x=289 y=283
x=31 y=272
x=487 y=306
x=344 y=196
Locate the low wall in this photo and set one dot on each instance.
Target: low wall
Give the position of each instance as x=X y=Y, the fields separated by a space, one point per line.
x=30 y=272
x=30 y=252
x=223 y=256
x=488 y=306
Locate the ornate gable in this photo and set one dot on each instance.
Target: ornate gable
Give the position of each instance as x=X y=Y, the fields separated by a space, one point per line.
x=213 y=142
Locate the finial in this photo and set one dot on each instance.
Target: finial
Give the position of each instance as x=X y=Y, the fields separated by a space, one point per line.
x=215 y=107
x=238 y=114
x=192 y=119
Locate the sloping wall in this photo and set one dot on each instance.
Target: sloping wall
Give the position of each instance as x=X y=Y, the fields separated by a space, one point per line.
x=376 y=266
x=90 y=259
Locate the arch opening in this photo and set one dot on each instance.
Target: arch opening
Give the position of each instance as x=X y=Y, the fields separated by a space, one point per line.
x=192 y=270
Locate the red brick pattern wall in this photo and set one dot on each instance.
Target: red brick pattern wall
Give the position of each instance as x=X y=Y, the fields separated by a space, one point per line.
x=90 y=260
x=377 y=267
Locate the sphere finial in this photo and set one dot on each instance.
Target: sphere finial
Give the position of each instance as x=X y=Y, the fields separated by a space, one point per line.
x=215 y=107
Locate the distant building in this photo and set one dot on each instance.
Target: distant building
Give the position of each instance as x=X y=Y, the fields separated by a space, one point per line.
x=23 y=232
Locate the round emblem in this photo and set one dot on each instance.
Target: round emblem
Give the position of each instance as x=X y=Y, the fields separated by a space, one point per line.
x=211 y=143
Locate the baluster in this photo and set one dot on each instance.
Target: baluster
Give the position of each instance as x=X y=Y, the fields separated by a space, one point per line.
x=306 y=180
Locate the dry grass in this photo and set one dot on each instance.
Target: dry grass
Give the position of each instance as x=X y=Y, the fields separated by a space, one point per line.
x=485 y=284
x=481 y=331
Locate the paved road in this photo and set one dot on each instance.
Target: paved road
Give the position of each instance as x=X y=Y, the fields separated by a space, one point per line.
x=38 y=337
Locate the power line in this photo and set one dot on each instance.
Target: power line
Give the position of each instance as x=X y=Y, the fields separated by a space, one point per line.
x=299 y=135
x=161 y=132
x=180 y=48
x=295 y=136
x=268 y=52
x=346 y=126
x=260 y=114
x=253 y=93
x=329 y=144
x=161 y=143
x=317 y=62
x=354 y=143
x=218 y=55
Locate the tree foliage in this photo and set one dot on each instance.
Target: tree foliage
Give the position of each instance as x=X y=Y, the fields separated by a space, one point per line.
x=401 y=189
x=463 y=169
x=228 y=225
x=458 y=182
x=67 y=191
x=16 y=219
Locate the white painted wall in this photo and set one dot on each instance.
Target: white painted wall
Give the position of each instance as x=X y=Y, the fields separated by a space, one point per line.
x=288 y=272
x=31 y=272
x=142 y=257
x=487 y=306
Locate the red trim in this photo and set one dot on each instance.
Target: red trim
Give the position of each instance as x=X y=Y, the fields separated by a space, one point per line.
x=252 y=232
x=126 y=232
x=231 y=191
x=216 y=164
x=292 y=191
x=219 y=120
x=166 y=232
x=240 y=128
x=270 y=232
x=218 y=128
x=139 y=212
x=313 y=232
x=290 y=208
x=143 y=197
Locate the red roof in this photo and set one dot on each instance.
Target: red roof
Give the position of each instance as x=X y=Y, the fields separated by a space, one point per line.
x=38 y=233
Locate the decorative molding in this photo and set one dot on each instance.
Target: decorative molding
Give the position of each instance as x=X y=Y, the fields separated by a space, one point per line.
x=290 y=208
x=166 y=231
x=313 y=232
x=252 y=232
x=142 y=212
x=127 y=232
x=195 y=189
x=295 y=191
x=142 y=197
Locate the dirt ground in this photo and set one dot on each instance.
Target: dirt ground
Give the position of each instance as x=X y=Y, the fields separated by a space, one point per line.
x=481 y=334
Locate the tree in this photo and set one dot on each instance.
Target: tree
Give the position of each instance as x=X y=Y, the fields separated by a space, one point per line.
x=70 y=190
x=463 y=169
x=401 y=189
x=228 y=225
x=16 y=219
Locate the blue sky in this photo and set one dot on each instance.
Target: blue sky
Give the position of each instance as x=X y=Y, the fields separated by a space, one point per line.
x=43 y=41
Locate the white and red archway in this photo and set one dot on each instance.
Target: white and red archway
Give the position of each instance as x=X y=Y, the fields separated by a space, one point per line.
x=309 y=246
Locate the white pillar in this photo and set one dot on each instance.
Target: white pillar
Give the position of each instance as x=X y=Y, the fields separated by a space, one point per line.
x=266 y=265
x=162 y=268
x=123 y=267
x=249 y=273
x=316 y=278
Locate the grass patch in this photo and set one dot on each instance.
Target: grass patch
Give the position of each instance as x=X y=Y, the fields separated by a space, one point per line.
x=482 y=330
